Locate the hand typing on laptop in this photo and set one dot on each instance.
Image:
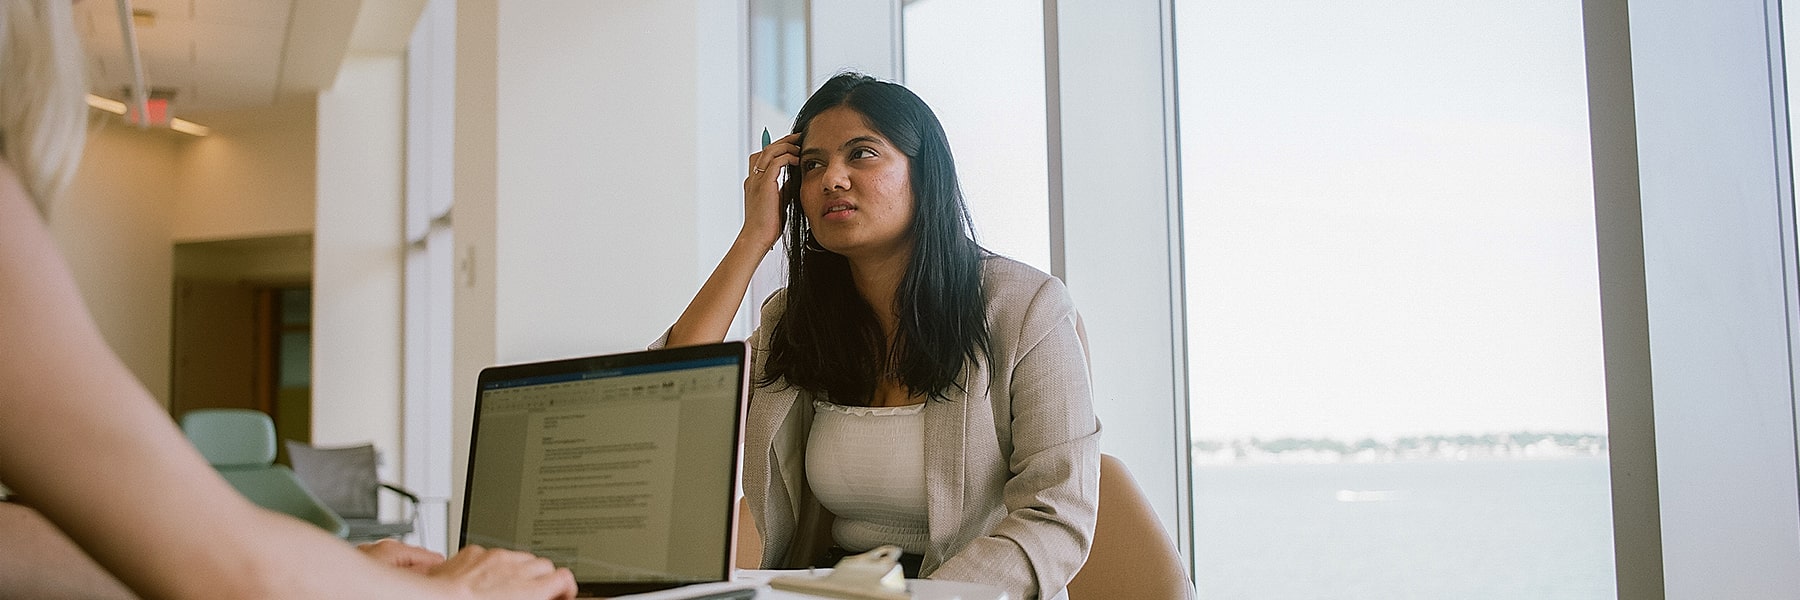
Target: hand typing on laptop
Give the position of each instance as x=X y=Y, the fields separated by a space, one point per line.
x=478 y=566
x=403 y=555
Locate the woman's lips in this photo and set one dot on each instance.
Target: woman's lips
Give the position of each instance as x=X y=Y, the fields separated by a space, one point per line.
x=839 y=211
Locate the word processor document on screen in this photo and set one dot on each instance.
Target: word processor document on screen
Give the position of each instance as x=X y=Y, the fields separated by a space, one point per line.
x=589 y=470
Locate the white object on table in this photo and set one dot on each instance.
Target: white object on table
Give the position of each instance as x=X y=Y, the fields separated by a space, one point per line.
x=922 y=589
x=872 y=575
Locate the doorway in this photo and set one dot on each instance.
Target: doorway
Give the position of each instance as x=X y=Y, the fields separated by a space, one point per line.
x=242 y=330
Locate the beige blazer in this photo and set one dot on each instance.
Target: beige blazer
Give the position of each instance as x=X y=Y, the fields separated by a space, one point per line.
x=1012 y=465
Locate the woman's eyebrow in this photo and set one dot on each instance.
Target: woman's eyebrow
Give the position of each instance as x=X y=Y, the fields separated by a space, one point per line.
x=861 y=139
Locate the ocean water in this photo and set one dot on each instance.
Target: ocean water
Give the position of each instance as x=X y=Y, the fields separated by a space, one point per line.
x=1465 y=530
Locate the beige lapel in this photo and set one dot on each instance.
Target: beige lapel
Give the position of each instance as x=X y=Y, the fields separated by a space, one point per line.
x=947 y=429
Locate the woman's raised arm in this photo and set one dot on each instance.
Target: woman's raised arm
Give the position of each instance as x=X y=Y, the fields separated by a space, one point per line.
x=709 y=314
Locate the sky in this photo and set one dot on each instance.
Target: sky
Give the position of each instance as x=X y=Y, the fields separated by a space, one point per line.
x=1388 y=211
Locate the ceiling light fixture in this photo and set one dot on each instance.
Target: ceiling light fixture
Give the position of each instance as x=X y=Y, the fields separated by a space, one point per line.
x=107 y=104
x=148 y=107
x=120 y=108
x=189 y=127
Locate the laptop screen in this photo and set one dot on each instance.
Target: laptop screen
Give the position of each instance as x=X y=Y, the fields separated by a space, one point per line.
x=622 y=468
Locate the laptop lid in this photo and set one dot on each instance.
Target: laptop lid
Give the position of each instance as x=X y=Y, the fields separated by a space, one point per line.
x=622 y=467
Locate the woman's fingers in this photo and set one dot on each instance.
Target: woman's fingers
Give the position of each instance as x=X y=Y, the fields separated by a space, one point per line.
x=399 y=554
x=560 y=583
x=779 y=153
x=763 y=215
x=496 y=573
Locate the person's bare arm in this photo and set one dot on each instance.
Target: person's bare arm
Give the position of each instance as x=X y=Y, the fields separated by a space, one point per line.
x=708 y=316
x=38 y=561
x=92 y=451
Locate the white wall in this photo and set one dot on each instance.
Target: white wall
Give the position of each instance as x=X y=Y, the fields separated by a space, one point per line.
x=253 y=177
x=357 y=258
x=596 y=173
x=582 y=173
x=113 y=226
x=140 y=191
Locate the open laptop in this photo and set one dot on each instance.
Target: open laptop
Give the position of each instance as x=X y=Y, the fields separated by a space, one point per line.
x=622 y=467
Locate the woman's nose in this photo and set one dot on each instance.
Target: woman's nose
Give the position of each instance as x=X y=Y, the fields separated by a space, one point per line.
x=836 y=176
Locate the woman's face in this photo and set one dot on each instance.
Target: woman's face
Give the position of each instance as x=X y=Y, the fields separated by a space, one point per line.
x=855 y=187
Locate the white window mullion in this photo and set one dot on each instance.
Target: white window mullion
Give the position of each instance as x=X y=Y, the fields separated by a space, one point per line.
x=1113 y=170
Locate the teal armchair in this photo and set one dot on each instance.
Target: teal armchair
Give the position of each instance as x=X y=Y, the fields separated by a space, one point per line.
x=240 y=444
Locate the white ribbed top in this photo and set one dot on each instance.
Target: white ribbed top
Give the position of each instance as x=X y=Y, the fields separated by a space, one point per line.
x=867 y=466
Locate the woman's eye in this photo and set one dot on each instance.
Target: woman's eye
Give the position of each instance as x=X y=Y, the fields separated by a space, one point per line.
x=862 y=153
x=808 y=165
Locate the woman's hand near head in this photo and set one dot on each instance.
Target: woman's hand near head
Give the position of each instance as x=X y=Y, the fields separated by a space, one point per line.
x=478 y=572
x=708 y=316
x=763 y=212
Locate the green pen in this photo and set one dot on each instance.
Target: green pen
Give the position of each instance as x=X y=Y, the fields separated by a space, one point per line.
x=766 y=137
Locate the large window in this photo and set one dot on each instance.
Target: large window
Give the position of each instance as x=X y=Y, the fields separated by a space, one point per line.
x=980 y=65
x=1393 y=308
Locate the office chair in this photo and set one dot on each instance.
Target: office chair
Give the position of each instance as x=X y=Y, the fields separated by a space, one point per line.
x=345 y=480
x=240 y=444
x=749 y=540
x=1132 y=555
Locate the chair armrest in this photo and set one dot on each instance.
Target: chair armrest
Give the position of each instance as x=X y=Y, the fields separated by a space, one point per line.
x=402 y=491
x=412 y=499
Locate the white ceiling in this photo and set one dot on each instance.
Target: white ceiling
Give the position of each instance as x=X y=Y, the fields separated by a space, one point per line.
x=224 y=54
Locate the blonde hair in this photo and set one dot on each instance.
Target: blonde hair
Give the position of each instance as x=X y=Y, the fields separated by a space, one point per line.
x=43 y=115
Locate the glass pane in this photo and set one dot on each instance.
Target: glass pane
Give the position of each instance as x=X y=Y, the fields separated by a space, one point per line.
x=295 y=361
x=777 y=66
x=980 y=65
x=778 y=88
x=296 y=306
x=1790 y=55
x=1393 y=311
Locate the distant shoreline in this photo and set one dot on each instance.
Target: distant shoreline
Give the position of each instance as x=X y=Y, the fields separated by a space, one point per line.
x=1505 y=446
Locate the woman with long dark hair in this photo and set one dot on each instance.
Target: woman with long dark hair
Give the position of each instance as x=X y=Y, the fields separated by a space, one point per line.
x=911 y=388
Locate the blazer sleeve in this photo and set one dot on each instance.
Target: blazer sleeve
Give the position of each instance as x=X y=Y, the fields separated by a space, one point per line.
x=1052 y=493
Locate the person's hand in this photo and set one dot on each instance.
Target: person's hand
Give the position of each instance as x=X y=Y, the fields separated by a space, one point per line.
x=495 y=573
x=763 y=214
x=400 y=554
